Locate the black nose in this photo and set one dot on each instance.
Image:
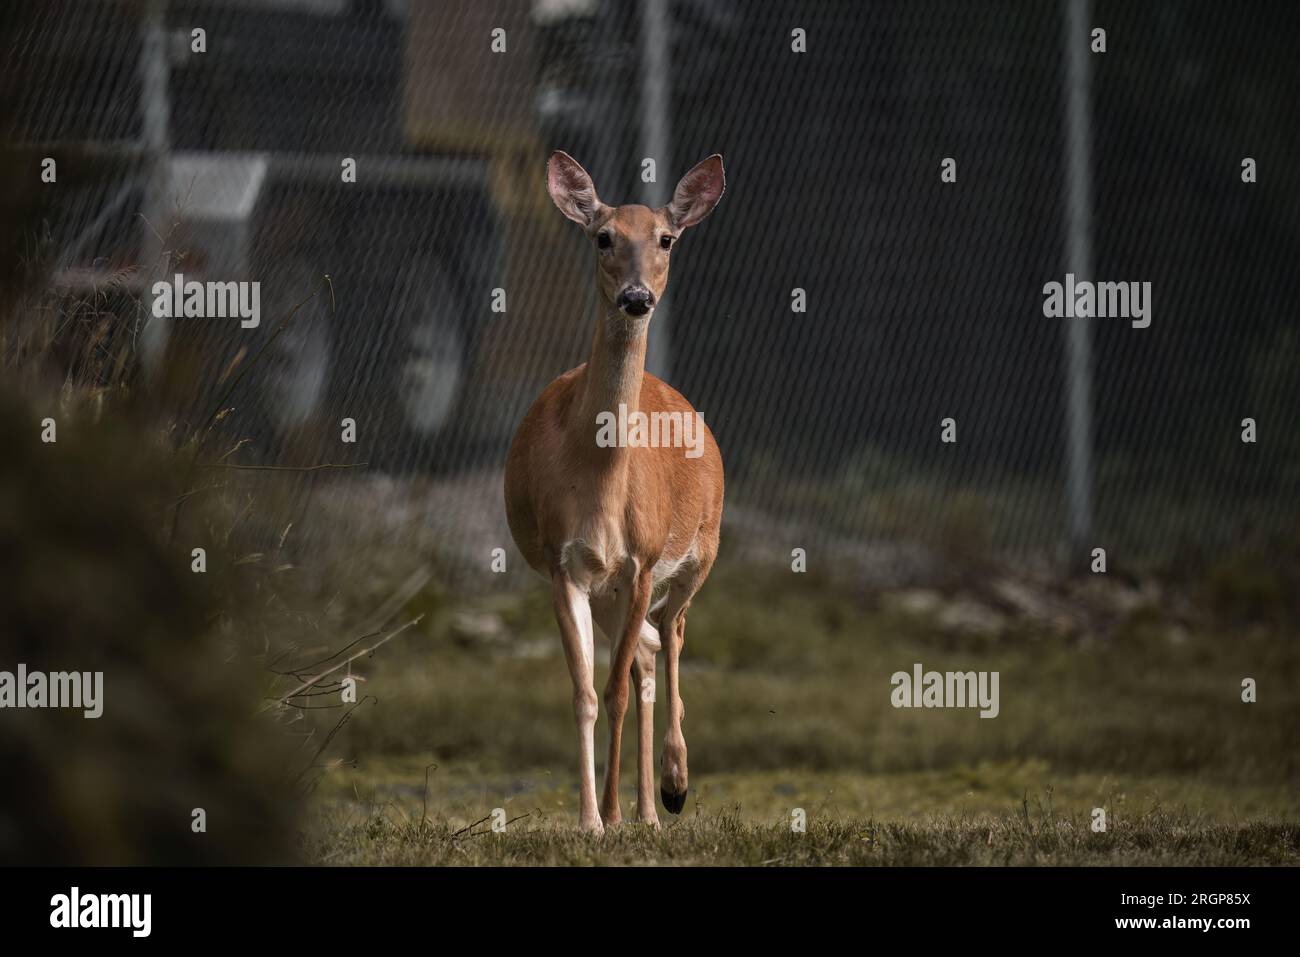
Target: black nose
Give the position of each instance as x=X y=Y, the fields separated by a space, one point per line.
x=636 y=300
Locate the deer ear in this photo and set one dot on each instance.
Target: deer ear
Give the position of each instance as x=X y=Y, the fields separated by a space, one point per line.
x=697 y=192
x=571 y=189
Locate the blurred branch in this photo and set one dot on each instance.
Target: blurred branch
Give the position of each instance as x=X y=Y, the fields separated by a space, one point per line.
x=382 y=641
x=333 y=731
x=284 y=468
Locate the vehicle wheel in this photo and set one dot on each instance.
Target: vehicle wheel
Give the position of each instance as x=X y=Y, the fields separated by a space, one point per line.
x=432 y=352
x=298 y=362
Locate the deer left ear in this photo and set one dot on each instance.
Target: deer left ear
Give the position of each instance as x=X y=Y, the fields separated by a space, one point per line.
x=697 y=192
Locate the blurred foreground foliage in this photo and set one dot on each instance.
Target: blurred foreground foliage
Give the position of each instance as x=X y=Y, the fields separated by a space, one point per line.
x=91 y=584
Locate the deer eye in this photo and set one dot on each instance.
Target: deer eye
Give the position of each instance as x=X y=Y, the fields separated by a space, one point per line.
x=665 y=241
x=603 y=241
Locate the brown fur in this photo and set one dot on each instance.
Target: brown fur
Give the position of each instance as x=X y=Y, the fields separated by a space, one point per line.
x=599 y=521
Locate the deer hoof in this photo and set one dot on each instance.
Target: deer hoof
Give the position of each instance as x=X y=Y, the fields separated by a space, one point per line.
x=673 y=802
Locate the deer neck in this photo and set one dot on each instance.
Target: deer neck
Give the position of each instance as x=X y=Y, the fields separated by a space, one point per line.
x=612 y=377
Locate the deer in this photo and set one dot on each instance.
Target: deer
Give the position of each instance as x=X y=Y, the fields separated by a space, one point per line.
x=610 y=524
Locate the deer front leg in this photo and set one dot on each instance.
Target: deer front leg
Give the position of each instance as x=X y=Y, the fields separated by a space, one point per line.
x=573 y=614
x=609 y=612
x=616 y=690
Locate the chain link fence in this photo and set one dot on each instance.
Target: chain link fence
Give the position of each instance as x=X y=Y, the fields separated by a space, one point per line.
x=378 y=168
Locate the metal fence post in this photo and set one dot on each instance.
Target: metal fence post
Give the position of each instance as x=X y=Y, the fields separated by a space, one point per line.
x=154 y=104
x=1078 y=257
x=656 y=133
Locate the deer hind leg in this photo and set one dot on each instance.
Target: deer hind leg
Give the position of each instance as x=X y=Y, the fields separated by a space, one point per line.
x=672 y=634
x=573 y=614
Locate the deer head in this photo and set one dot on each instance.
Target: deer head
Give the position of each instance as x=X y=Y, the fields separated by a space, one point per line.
x=633 y=244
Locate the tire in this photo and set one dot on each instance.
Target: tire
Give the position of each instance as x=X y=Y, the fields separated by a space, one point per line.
x=299 y=362
x=431 y=351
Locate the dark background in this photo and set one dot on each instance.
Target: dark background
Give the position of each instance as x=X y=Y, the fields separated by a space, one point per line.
x=924 y=297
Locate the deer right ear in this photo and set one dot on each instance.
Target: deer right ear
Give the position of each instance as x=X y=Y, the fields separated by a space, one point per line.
x=571 y=189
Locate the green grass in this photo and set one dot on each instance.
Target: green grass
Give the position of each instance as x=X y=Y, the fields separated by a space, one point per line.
x=724 y=840
x=787 y=691
x=987 y=815
x=779 y=674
